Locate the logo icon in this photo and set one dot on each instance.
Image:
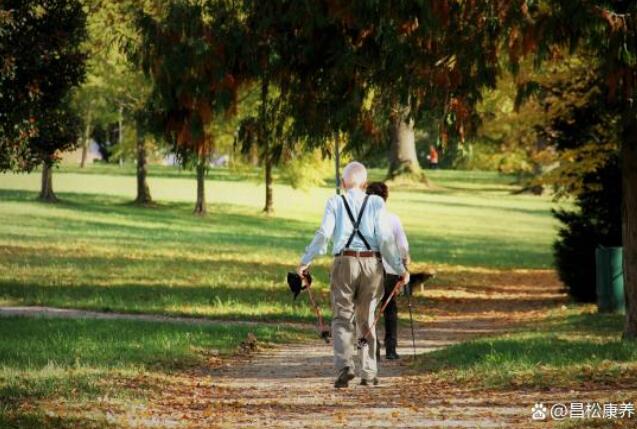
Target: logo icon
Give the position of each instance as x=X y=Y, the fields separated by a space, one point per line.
x=538 y=412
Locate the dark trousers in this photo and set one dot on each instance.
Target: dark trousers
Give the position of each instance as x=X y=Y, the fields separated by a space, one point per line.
x=391 y=313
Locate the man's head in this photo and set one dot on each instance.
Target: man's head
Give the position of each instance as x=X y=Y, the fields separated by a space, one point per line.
x=378 y=188
x=354 y=176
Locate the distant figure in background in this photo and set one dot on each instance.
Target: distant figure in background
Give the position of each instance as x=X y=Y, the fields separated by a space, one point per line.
x=391 y=277
x=433 y=157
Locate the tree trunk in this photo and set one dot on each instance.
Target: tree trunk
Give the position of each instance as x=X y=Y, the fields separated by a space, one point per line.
x=46 y=191
x=629 y=222
x=403 y=159
x=143 y=191
x=254 y=155
x=120 y=135
x=269 y=202
x=200 y=205
x=87 y=138
x=264 y=135
x=337 y=162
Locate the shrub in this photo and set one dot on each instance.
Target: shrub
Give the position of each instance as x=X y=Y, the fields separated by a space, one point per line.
x=596 y=222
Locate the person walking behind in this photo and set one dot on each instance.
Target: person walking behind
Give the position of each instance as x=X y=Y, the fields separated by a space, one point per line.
x=357 y=225
x=391 y=276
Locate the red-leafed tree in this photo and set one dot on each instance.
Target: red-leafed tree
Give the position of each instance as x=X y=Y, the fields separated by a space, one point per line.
x=192 y=52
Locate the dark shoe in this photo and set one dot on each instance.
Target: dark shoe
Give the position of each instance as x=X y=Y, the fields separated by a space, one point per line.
x=373 y=381
x=344 y=378
x=391 y=355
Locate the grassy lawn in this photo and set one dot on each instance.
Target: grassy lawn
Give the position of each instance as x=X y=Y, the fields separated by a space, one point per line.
x=76 y=364
x=96 y=251
x=574 y=349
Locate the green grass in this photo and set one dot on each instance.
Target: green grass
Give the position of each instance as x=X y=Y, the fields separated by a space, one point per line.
x=94 y=250
x=79 y=360
x=449 y=179
x=563 y=351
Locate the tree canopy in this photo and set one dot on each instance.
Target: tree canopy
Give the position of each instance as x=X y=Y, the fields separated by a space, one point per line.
x=41 y=60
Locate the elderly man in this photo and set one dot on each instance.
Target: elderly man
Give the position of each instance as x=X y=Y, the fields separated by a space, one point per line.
x=358 y=227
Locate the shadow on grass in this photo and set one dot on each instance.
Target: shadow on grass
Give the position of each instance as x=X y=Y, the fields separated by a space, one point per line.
x=215 y=302
x=169 y=213
x=466 y=305
x=170 y=225
x=221 y=174
x=500 y=208
x=20 y=419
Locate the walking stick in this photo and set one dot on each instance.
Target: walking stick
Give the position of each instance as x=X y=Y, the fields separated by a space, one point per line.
x=362 y=341
x=299 y=283
x=324 y=331
x=411 y=321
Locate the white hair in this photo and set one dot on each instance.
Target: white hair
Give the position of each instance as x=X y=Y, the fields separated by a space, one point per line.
x=354 y=175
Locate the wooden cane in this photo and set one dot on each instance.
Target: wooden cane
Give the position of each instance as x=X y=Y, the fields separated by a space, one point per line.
x=363 y=339
x=324 y=333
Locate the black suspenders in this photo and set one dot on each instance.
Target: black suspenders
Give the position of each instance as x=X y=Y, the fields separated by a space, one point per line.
x=356 y=223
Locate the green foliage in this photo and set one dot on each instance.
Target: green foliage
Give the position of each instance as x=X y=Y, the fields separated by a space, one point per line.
x=308 y=170
x=112 y=82
x=507 y=139
x=41 y=60
x=597 y=222
x=485 y=156
x=579 y=123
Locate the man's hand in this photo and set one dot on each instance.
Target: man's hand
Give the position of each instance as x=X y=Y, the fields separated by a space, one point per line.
x=301 y=270
x=404 y=278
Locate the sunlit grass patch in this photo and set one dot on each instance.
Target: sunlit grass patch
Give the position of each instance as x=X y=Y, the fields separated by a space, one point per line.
x=97 y=251
x=561 y=351
x=76 y=362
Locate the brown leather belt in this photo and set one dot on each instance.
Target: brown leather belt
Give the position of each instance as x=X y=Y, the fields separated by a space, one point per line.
x=359 y=254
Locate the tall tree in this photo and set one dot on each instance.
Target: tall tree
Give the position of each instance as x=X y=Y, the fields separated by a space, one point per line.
x=41 y=60
x=266 y=47
x=608 y=30
x=192 y=53
x=115 y=90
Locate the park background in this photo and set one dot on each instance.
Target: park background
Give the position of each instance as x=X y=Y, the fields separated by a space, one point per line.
x=183 y=319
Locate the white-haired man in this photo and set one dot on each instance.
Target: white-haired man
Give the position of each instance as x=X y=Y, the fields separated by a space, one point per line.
x=357 y=225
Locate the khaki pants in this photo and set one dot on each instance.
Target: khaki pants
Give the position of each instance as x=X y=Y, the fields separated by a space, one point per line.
x=356 y=289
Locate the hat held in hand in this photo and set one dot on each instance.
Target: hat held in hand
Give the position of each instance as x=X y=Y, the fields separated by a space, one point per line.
x=296 y=283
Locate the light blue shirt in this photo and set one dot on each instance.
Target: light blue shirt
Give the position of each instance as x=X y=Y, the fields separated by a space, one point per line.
x=338 y=227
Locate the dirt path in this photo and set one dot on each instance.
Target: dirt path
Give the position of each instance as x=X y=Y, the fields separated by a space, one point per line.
x=291 y=385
